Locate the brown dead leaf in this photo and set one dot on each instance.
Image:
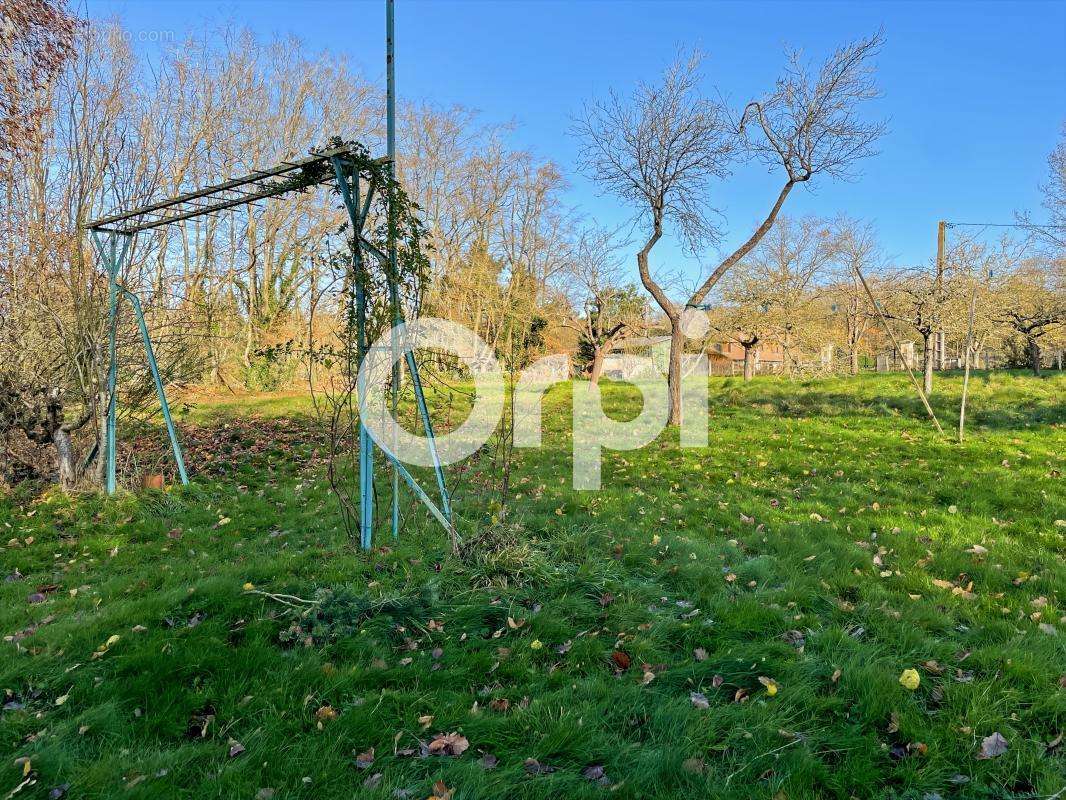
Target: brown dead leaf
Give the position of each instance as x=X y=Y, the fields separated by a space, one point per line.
x=365 y=759
x=534 y=767
x=448 y=744
x=992 y=746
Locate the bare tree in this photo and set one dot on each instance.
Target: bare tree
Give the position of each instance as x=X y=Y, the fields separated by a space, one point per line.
x=606 y=310
x=1054 y=232
x=773 y=293
x=855 y=250
x=662 y=149
x=917 y=298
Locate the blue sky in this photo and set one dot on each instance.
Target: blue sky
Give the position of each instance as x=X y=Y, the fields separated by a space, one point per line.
x=974 y=92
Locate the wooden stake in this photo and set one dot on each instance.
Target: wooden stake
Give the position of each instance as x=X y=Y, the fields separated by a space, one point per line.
x=939 y=336
x=895 y=343
x=966 y=374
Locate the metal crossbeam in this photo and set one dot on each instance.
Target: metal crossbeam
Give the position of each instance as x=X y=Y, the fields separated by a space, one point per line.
x=302 y=174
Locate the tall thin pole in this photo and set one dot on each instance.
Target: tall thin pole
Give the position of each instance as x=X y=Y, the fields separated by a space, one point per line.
x=112 y=371
x=940 y=343
x=113 y=259
x=966 y=373
x=394 y=299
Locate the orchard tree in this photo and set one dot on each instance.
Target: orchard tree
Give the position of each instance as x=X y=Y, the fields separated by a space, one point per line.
x=1032 y=304
x=918 y=299
x=607 y=312
x=662 y=149
x=855 y=251
x=774 y=293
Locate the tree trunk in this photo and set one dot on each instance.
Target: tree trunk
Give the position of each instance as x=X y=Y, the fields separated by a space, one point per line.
x=599 y=356
x=677 y=344
x=749 y=362
x=927 y=353
x=100 y=471
x=1034 y=355
x=68 y=470
x=853 y=355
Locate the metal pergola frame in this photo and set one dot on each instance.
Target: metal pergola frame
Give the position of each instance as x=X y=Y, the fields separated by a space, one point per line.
x=113 y=237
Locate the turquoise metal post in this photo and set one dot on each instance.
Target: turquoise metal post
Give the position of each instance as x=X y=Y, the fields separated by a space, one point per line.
x=420 y=397
x=113 y=261
x=394 y=299
x=423 y=411
x=366 y=446
x=162 y=395
x=366 y=454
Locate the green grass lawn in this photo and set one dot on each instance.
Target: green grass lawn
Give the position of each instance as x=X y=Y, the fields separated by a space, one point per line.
x=721 y=623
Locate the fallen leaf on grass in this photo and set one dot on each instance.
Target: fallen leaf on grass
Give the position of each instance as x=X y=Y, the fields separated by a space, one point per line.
x=992 y=746
x=596 y=774
x=441 y=792
x=365 y=760
x=910 y=679
x=534 y=767
x=699 y=654
x=794 y=638
x=235 y=748
x=770 y=684
x=488 y=761
x=699 y=700
x=620 y=659
x=448 y=744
